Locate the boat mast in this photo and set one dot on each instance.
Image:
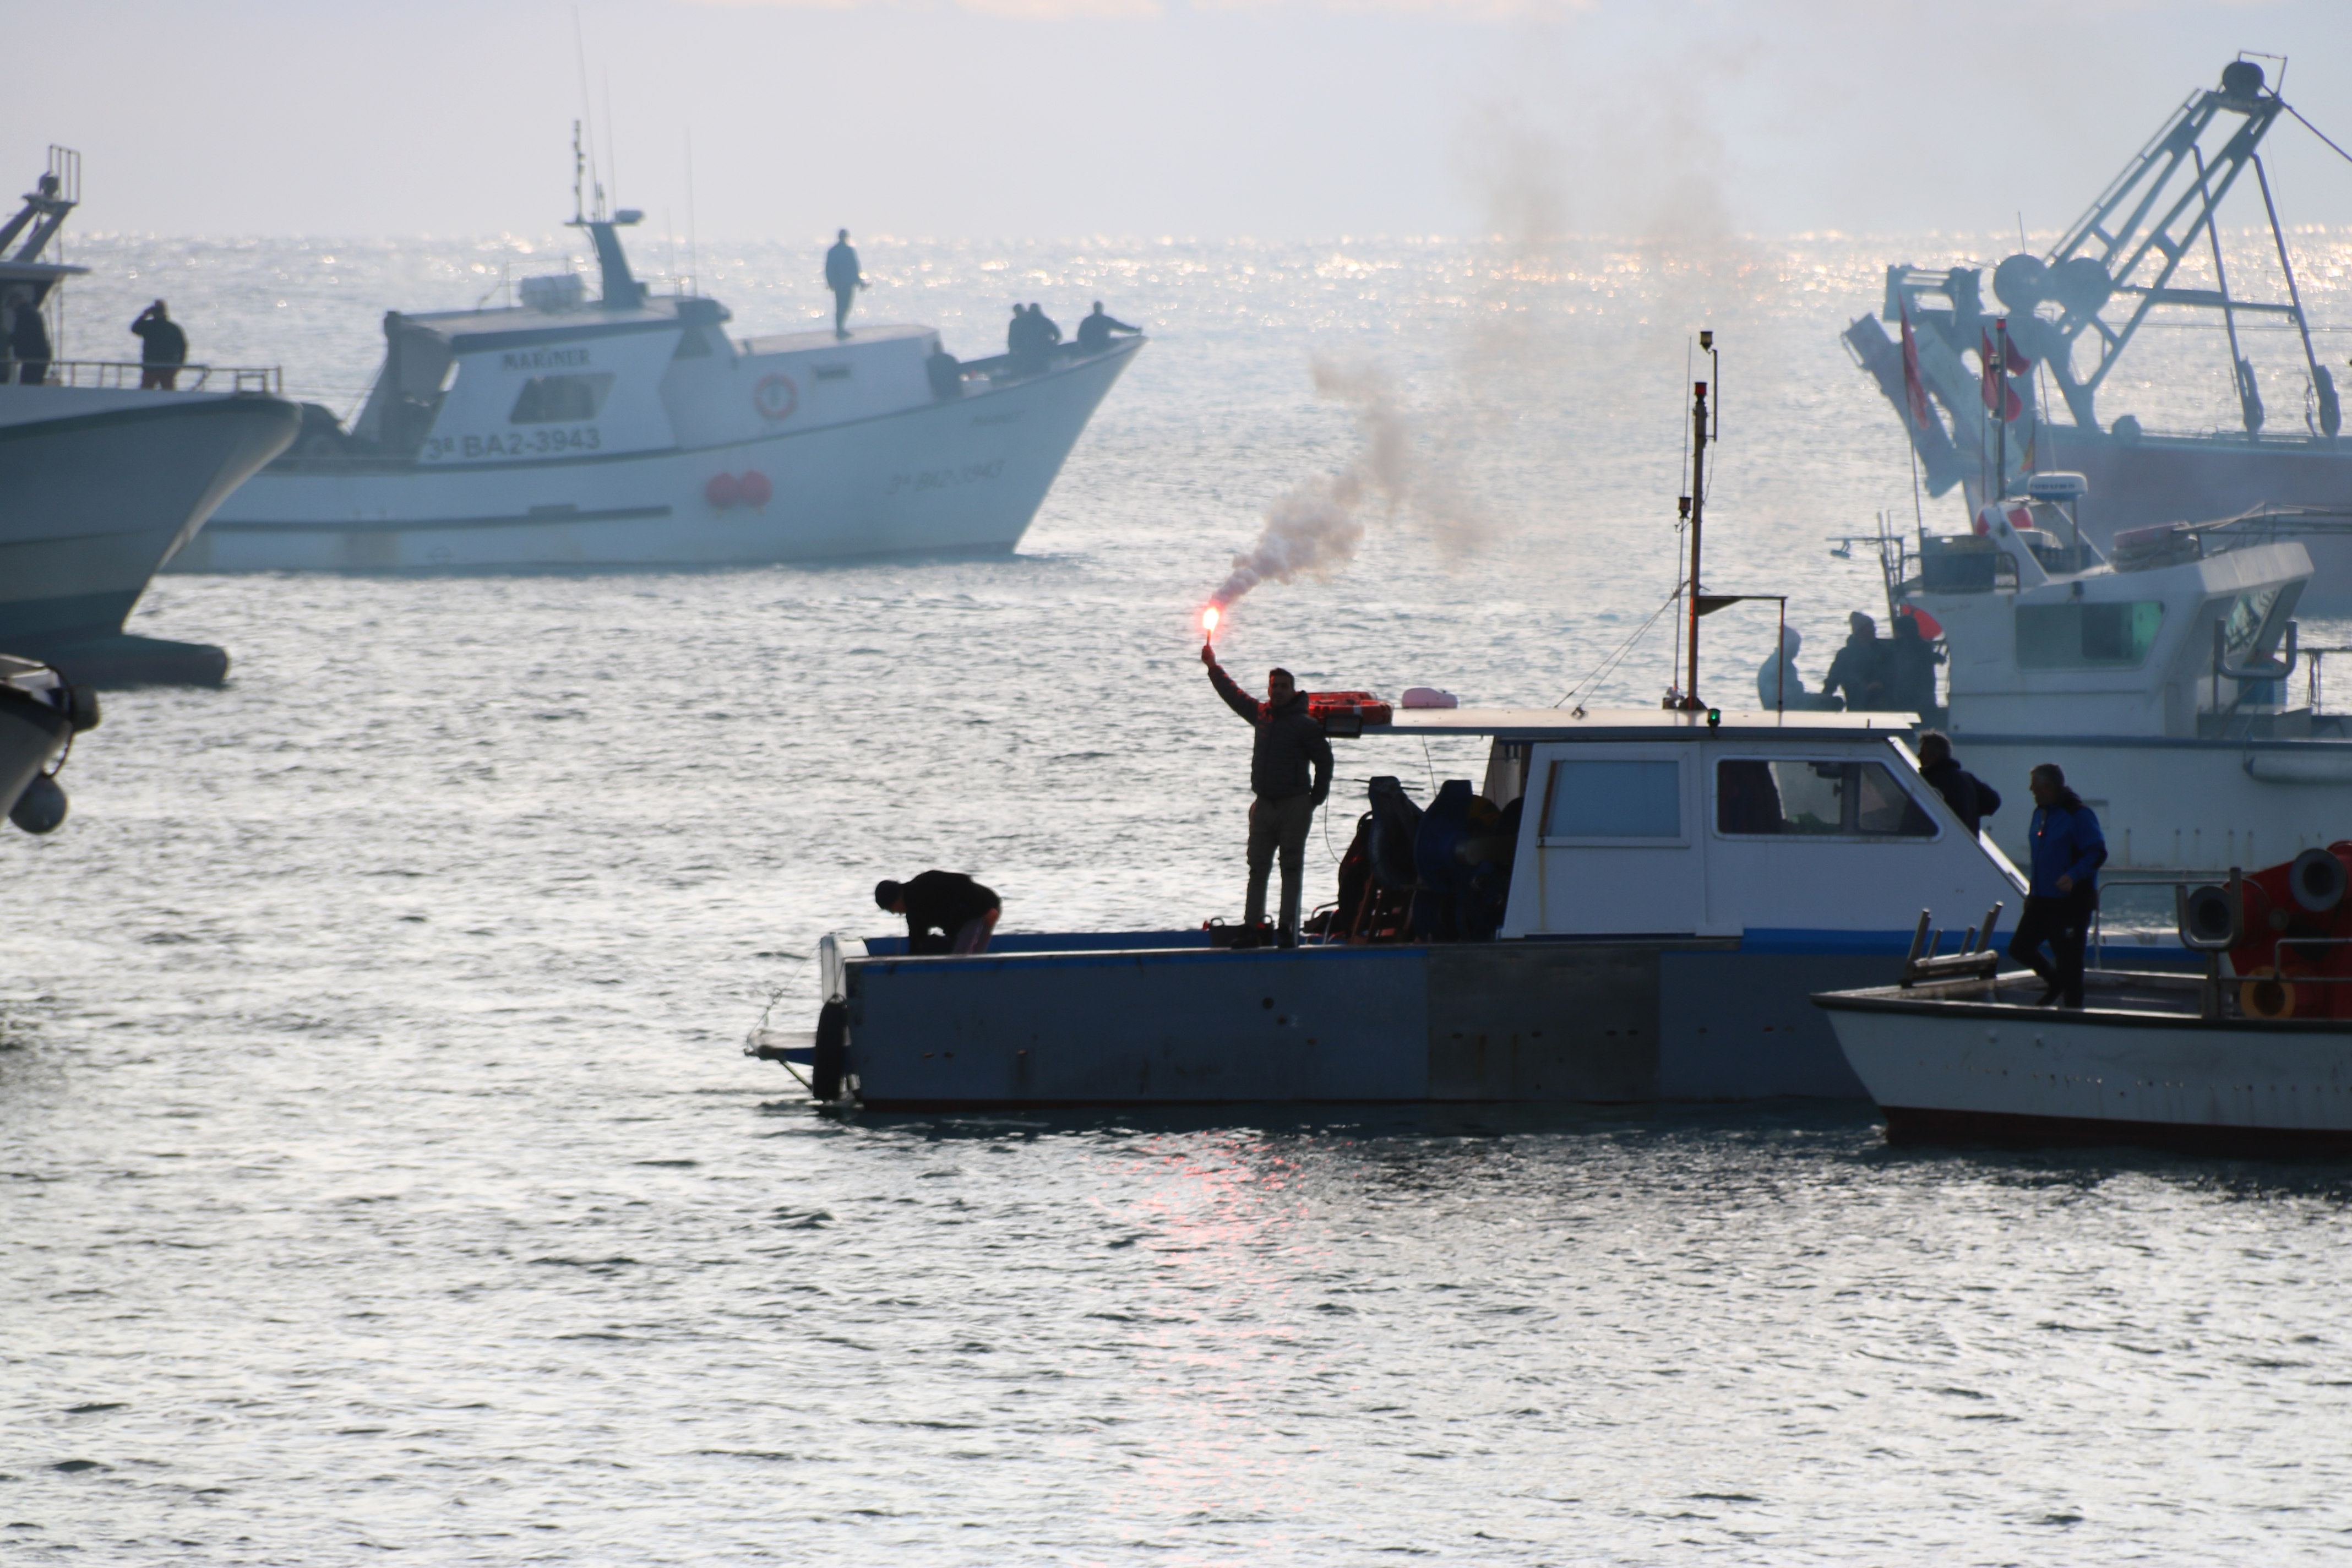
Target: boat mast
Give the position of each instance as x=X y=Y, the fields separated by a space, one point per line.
x=1693 y=505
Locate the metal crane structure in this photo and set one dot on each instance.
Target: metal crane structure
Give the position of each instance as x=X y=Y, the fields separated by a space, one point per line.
x=2113 y=267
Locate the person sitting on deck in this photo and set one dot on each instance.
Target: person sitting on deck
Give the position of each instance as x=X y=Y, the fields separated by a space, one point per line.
x=1095 y=331
x=959 y=910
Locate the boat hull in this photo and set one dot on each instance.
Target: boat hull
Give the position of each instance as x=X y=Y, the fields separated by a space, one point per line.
x=1491 y=1023
x=97 y=489
x=31 y=735
x=1946 y=1067
x=962 y=475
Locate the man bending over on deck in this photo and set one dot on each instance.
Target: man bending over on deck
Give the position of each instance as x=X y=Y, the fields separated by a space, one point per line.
x=962 y=911
x=1285 y=803
x=2068 y=850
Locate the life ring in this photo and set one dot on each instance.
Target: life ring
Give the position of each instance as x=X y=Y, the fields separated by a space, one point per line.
x=775 y=397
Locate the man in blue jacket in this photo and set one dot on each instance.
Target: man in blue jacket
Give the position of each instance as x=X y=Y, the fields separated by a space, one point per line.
x=2068 y=851
x=1288 y=743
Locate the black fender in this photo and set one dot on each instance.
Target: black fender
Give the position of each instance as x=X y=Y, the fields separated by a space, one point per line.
x=831 y=1050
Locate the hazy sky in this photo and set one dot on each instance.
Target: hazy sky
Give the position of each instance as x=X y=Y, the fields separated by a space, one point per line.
x=1064 y=118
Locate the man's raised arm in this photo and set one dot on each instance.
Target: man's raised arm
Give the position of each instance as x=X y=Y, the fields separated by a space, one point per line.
x=1240 y=702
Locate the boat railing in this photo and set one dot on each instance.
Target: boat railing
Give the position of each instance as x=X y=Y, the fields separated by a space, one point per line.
x=2314 y=664
x=128 y=375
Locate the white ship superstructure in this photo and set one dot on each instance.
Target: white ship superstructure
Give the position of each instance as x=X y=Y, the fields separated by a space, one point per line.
x=634 y=430
x=2160 y=679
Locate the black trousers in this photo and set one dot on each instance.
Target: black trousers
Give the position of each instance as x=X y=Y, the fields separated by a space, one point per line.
x=2065 y=923
x=841 y=299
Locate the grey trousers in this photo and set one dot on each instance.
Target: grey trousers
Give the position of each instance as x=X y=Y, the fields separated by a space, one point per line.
x=1278 y=823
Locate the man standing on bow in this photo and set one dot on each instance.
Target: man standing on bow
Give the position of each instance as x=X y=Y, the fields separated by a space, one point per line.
x=841 y=276
x=2068 y=850
x=1288 y=739
x=162 y=349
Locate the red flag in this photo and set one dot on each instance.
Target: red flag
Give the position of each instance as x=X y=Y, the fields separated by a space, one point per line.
x=2018 y=365
x=1914 y=392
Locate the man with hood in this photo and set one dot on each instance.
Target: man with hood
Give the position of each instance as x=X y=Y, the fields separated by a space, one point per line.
x=1779 y=686
x=2068 y=850
x=1288 y=741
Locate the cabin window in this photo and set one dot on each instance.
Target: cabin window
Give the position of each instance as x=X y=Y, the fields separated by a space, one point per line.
x=1758 y=798
x=561 y=399
x=2078 y=635
x=832 y=373
x=1625 y=799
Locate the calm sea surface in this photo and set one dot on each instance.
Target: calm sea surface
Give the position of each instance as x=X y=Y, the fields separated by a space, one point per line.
x=383 y=1181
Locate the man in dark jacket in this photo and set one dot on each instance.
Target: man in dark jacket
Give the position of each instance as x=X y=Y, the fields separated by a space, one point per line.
x=1969 y=797
x=1859 y=668
x=1095 y=331
x=1288 y=739
x=2068 y=850
x=841 y=276
x=28 y=339
x=949 y=902
x=162 y=349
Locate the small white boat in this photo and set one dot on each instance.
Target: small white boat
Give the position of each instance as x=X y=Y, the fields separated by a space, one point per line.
x=2237 y=1060
x=633 y=431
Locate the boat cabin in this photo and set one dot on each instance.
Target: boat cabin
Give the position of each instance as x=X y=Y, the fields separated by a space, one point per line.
x=2182 y=631
x=558 y=375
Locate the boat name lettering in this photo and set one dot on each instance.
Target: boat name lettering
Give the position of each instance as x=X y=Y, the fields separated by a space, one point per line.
x=543 y=359
x=941 y=479
x=546 y=442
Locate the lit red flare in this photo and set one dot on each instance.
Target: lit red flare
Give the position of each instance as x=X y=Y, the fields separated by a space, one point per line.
x=1209 y=621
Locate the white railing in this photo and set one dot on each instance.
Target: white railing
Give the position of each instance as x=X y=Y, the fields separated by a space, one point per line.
x=129 y=374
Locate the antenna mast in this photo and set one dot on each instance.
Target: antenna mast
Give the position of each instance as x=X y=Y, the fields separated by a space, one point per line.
x=1694 y=506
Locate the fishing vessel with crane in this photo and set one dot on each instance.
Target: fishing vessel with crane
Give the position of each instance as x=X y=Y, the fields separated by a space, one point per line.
x=2148 y=254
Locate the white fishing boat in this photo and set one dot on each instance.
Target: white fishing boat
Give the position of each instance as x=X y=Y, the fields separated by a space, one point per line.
x=1671 y=891
x=100 y=480
x=631 y=430
x=1632 y=906
x=2254 y=1056
x=2072 y=317
x=2166 y=679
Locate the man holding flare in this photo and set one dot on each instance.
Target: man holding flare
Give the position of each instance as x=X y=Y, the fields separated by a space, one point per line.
x=1288 y=742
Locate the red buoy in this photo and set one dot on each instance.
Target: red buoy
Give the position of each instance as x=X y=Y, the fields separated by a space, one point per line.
x=754 y=488
x=722 y=491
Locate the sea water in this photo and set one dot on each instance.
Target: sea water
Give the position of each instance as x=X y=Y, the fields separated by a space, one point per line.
x=385 y=1181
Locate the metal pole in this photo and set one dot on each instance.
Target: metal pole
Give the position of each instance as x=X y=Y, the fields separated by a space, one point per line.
x=2310 y=359
x=2001 y=408
x=2221 y=278
x=1698 y=506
